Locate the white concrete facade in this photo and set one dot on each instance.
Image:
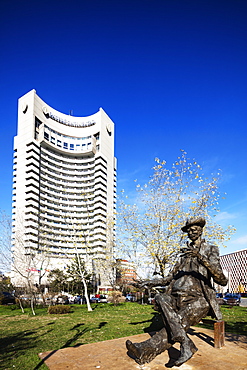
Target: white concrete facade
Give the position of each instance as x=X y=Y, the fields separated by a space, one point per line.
x=235 y=268
x=64 y=186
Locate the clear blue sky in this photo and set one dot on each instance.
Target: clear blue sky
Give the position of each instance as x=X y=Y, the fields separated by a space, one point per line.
x=172 y=74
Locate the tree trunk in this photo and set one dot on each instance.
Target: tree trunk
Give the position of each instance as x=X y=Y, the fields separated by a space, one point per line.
x=89 y=308
x=32 y=305
x=21 y=307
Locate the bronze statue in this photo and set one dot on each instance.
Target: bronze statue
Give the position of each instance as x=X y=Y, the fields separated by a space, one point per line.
x=189 y=297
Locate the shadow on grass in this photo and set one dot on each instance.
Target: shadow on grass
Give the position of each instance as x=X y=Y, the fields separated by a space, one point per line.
x=16 y=345
x=238 y=327
x=155 y=323
x=80 y=331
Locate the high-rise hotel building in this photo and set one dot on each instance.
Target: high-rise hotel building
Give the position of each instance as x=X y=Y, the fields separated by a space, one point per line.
x=64 y=186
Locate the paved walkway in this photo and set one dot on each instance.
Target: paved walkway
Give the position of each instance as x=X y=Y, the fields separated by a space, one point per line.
x=112 y=355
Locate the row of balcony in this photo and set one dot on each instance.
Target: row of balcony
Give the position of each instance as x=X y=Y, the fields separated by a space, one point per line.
x=63 y=158
x=71 y=205
x=62 y=192
x=80 y=200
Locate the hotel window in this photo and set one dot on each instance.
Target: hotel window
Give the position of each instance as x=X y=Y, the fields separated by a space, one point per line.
x=46 y=135
x=37 y=122
x=71 y=146
x=59 y=143
x=52 y=140
x=65 y=145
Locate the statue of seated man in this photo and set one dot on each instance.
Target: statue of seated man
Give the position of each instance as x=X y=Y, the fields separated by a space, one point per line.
x=189 y=297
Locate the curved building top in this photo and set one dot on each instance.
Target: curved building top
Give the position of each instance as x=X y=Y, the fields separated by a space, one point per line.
x=68 y=120
x=60 y=130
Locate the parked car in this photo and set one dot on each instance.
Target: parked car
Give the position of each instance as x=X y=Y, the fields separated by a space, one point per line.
x=78 y=299
x=94 y=299
x=219 y=295
x=62 y=299
x=102 y=299
x=151 y=300
x=99 y=299
x=233 y=299
x=6 y=298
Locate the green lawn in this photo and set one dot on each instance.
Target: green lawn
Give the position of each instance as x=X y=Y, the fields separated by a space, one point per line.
x=23 y=336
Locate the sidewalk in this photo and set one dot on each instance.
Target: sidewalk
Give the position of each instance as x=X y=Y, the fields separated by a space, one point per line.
x=112 y=355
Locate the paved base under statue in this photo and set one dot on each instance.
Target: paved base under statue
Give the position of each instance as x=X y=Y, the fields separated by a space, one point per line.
x=112 y=355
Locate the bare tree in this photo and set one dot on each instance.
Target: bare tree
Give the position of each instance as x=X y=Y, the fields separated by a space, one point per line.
x=149 y=229
x=77 y=239
x=26 y=265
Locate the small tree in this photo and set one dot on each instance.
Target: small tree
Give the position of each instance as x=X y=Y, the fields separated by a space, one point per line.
x=57 y=279
x=75 y=271
x=81 y=235
x=109 y=264
x=150 y=230
x=21 y=259
x=5 y=284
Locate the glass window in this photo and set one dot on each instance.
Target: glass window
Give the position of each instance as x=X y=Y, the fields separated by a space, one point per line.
x=37 y=122
x=46 y=135
x=65 y=145
x=71 y=146
x=59 y=143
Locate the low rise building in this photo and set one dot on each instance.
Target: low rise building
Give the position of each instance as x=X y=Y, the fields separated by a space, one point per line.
x=235 y=268
x=125 y=273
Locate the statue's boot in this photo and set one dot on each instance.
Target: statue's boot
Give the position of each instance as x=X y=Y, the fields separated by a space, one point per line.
x=187 y=350
x=176 y=329
x=146 y=351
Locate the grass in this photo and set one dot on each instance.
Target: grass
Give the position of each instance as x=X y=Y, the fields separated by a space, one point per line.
x=23 y=336
x=235 y=320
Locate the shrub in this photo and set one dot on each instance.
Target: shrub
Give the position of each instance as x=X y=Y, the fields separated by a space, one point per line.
x=1 y=298
x=58 y=309
x=116 y=298
x=6 y=298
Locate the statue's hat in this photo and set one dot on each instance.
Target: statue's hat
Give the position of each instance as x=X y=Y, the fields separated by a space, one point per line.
x=200 y=221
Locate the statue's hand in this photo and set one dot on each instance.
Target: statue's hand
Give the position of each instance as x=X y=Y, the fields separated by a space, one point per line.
x=191 y=252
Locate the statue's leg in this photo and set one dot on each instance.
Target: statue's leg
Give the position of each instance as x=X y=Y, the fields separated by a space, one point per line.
x=192 y=311
x=146 y=351
x=170 y=317
x=174 y=324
